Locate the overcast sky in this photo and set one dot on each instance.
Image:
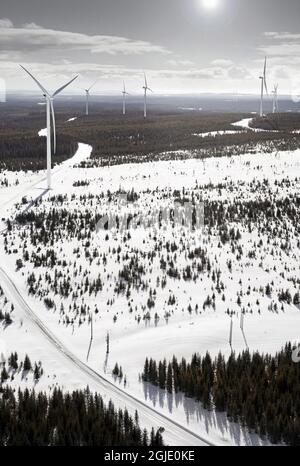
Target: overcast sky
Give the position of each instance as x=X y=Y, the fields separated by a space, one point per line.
x=183 y=45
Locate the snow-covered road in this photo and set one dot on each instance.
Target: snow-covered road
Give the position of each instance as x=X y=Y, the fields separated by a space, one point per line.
x=175 y=434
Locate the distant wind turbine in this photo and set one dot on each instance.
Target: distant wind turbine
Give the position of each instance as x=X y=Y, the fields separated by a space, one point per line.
x=124 y=98
x=50 y=113
x=264 y=87
x=87 y=95
x=275 y=99
x=146 y=88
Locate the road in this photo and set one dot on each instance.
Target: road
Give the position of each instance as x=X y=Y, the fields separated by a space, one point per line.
x=175 y=433
x=180 y=434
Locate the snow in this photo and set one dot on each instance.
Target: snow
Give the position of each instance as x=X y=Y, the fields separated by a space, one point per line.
x=245 y=124
x=190 y=109
x=182 y=333
x=217 y=133
x=43 y=132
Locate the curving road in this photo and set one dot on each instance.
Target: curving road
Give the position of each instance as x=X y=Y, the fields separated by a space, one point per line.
x=179 y=434
x=176 y=433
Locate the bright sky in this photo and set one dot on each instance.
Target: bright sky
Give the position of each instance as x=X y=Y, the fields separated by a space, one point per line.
x=183 y=45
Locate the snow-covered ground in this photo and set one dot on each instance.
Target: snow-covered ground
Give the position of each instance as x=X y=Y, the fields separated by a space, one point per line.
x=245 y=123
x=217 y=133
x=183 y=327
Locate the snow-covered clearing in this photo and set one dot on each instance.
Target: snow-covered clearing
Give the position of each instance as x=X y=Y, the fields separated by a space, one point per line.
x=246 y=124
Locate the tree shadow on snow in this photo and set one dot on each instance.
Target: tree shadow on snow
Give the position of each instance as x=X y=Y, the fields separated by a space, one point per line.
x=217 y=424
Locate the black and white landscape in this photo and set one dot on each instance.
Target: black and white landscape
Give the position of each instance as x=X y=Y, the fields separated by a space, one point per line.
x=150 y=266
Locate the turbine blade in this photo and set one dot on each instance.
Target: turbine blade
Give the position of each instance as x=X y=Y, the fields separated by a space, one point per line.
x=265 y=67
x=93 y=85
x=63 y=87
x=36 y=81
x=146 y=84
x=54 y=126
x=265 y=76
x=148 y=88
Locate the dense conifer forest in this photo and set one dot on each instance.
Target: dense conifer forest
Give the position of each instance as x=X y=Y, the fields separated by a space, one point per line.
x=21 y=148
x=68 y=419
x=259 y=391
x=167 y=134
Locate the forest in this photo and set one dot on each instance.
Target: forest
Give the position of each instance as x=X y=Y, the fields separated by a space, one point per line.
x=79 y=418
x=173 y=137
x=257 y=390
x=20 y=146
x=165 y=135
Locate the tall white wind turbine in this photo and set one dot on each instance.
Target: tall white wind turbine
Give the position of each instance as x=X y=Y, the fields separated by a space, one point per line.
x=87 y=96
x=124 y=98
x=275 y=99
x=146 y=88
x=264 y=87
x=50 y=113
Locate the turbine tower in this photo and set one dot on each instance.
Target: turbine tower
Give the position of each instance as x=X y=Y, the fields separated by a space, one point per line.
x=264 y=87
x=50 y=113
x=275 y=99
x=87 y=96
x=124 y=98
x=146 y=88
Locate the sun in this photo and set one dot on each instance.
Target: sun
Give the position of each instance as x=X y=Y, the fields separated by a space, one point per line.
x=210 y=4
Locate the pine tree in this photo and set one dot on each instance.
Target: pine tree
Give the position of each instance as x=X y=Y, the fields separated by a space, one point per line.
x=27 y=364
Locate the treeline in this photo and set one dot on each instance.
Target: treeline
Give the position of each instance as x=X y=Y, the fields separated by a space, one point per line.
x=28 y=151
x=20 y=146
x=171 y=137
x=68 y=419
x=278 y=122
x=258 y=391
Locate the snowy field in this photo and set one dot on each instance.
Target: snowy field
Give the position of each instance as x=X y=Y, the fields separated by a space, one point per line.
x=158 y=288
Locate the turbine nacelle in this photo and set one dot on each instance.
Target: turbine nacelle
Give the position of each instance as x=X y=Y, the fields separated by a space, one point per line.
x=124 y=93
x=50 y=114
x=87 y=94
x=146 y=88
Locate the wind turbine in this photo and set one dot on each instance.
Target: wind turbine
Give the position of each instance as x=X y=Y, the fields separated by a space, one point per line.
x=275 y=99
x=87 y=94
x=264 y=87
x=50 y=113
x=146 y=88
x=124 y=98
